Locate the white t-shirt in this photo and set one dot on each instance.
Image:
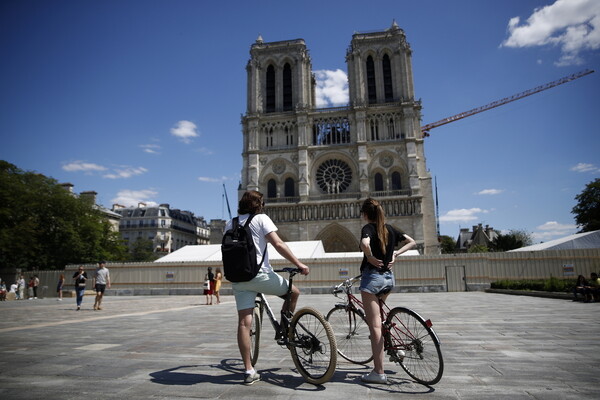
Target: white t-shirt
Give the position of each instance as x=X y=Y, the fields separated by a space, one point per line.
x=102 y=276
x=260 y=226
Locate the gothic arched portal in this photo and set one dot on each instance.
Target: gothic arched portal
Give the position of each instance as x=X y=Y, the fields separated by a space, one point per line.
x=336 y=238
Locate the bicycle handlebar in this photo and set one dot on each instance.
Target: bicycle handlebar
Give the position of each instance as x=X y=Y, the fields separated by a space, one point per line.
x=289 y=270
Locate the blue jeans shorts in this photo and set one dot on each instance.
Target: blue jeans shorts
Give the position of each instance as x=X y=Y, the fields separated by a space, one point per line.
x=375 y=282
x=267 y=283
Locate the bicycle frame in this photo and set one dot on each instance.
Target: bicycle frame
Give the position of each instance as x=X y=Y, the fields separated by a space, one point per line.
x=305 y=333
x=353 y=302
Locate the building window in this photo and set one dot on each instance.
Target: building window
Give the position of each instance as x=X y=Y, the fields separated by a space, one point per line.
x=287 y=87
x=271 y=189
x=371 y=85
x=289 y=188
x=396 y=182
x=269 y=137
x=270 y=106
x=374 y=125
x=387 y=79
x=378 y=182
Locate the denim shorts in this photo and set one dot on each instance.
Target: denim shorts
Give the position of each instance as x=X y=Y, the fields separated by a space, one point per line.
x=267 y=283
x=375 y=282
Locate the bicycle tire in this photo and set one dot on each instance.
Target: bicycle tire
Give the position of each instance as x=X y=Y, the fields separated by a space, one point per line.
x=312 y=345
x=407 y=331
x=352 y=334
x=255 y=330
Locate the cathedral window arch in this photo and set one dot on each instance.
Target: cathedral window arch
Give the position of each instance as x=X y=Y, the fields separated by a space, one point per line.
x=269 y=137
x=374 y=127
x=388 y=89
x=287 y=87
x=271 y=189
x=289 y=187
x=270 y=83
x=371 y=83
x=378 y=182
x=396 y=181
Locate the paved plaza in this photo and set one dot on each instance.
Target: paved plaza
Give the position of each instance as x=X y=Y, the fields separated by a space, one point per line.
x=495 y=346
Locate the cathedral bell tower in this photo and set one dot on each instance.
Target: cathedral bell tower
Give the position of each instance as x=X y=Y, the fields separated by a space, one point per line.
x=316 y=166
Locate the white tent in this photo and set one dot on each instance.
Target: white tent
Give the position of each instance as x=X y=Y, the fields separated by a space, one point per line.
x=586 y=240
x=303 y=250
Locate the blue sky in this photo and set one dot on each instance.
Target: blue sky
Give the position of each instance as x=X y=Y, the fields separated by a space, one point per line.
x=141 y=100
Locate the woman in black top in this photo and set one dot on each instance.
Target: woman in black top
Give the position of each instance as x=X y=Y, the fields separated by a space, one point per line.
x=378 y=241
x=80 y=277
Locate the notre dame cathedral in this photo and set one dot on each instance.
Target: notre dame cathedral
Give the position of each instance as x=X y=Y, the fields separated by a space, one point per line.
x=315 y=166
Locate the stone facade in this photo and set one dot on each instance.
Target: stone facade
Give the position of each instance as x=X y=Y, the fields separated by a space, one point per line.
x=315 y=166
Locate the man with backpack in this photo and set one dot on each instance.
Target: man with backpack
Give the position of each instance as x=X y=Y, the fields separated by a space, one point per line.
x=263 y=231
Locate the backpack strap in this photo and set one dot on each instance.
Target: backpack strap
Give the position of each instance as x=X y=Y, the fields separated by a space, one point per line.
x=247 y=225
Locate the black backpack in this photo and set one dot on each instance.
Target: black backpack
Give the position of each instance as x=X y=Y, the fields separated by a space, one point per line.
x=238 y=252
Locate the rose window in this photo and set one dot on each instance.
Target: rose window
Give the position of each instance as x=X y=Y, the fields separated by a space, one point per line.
x=334 y=176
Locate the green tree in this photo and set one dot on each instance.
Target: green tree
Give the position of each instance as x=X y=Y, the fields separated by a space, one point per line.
x=506 y=242
x=448 y=244
x=478 y=248
x=587 y=210
x=44 y=226
x=522 y=235
x=141 y=250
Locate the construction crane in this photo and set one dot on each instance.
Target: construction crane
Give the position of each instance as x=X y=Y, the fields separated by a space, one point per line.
x=426 y=128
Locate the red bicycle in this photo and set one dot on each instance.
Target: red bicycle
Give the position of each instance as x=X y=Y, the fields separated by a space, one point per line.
x=409 y=340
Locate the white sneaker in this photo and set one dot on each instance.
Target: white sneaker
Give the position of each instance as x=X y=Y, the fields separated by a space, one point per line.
x=374 y=377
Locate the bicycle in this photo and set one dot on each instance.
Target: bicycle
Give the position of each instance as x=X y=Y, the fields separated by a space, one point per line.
x=305 y=333
x=409 y=340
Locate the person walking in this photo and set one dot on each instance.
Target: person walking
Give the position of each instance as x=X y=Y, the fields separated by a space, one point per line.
x=266 y=281
x=30 y=288
x=21 y=287
x=80 y=277
x=101 y=281
x=218 y=279
x=208 y=286
x=378 y=241
x=36 y=283
x=59 y=287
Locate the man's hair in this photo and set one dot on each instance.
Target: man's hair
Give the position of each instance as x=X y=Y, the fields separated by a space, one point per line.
x=251 y=203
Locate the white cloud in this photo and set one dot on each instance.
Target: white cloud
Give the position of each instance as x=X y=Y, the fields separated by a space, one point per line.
x=79 y=166
x=491 y=191
x=185 y=131
x=209 y=179
x=125 y=172
x=585 y=167
x=150 y=148
x=574 y=25
x=553 y=230
x=131 y=198
x=462 y=215
x=332 y=88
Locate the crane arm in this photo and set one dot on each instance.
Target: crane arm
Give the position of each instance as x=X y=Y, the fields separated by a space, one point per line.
x=426 y=128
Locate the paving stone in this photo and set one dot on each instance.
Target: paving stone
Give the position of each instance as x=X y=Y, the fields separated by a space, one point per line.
x=495 y=346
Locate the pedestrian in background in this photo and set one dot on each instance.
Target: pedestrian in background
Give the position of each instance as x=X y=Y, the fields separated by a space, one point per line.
x=100 y=282
x=80 y=277
x=218 y=279
x=209 y=286
x=21 y=287
x=59 y=286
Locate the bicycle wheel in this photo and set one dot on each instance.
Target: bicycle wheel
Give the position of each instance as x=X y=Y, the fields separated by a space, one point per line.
x=410 y=341
x=255 y=333
x=312 y=345
x=351 y=334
